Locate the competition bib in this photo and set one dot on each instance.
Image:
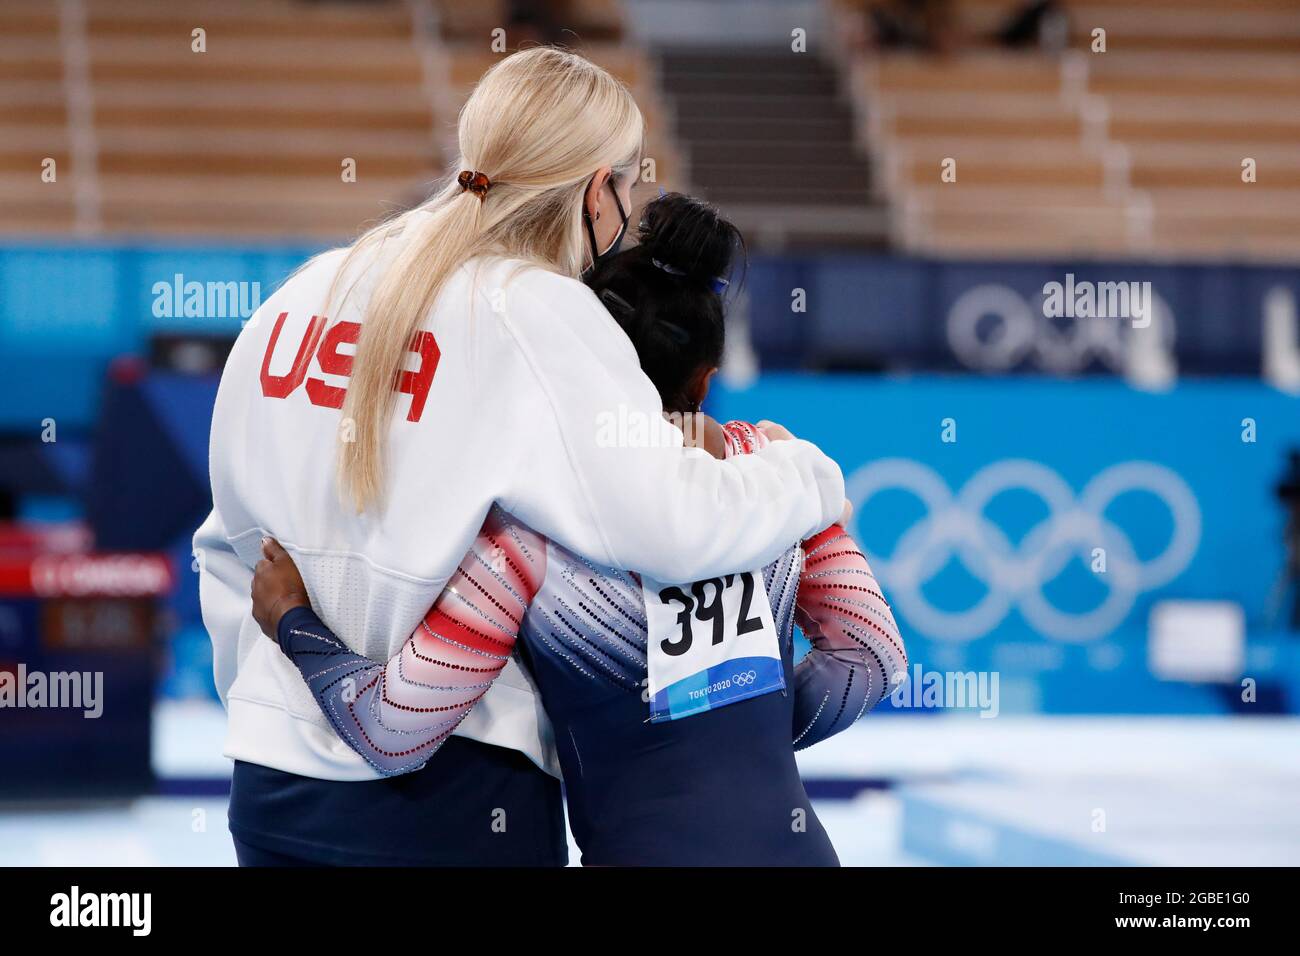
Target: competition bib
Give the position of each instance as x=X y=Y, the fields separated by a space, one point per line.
x=709 y=644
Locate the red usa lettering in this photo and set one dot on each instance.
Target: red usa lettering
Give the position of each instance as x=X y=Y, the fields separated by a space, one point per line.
x=325 y=347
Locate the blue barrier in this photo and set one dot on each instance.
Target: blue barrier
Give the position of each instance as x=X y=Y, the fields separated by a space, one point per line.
x=898 y=312
x=1027 y=526
x=66 y=308
x=984 y=543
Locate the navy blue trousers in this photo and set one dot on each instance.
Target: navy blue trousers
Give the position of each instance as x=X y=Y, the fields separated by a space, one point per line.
x=472 y=805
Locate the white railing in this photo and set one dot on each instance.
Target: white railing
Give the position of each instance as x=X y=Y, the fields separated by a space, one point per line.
x=83 y=145
x=435 y=73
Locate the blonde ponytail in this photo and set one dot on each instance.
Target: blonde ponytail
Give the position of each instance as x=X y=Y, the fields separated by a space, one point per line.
x=539 y=124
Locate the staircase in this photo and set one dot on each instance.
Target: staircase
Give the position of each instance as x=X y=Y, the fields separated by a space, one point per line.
x=769 y=139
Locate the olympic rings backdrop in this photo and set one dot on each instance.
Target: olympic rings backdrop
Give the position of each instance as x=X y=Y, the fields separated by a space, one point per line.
x=1027 y=526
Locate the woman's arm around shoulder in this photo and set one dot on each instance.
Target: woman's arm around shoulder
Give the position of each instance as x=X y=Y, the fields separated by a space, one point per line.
x=612 y=479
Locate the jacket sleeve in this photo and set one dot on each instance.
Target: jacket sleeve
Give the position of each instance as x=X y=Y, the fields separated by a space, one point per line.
x=634 y=497
x=857 y=654
x=396 y=715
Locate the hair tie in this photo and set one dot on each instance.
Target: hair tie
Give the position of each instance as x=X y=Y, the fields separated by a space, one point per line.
x=474 y=182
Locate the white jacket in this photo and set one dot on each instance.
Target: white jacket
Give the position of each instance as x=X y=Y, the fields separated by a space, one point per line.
x=537 y=402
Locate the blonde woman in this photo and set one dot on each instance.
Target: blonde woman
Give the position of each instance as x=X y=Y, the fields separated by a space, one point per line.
x=448 y=361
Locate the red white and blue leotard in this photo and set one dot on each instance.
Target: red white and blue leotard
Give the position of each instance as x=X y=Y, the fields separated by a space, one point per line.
x=719 y=788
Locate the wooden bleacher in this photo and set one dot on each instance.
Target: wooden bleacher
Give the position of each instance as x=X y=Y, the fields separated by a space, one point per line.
x=248 y=138
x=1135 y=151
x=33 y=122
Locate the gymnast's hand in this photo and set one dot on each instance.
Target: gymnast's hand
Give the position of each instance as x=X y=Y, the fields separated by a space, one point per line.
x=775 y=432
x=277 y=587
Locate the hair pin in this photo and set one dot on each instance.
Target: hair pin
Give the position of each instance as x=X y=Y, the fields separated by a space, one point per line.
x=676 y=332
x=613 y=300
x=717 y=283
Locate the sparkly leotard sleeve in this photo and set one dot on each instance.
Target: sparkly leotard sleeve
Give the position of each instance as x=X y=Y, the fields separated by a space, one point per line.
x=857 y=654
x=397 y=714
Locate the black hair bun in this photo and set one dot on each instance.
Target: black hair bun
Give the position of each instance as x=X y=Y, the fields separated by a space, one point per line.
x=663 y=294
x=688 y=237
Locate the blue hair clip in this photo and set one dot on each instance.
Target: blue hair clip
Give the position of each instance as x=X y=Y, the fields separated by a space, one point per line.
x=717 y=283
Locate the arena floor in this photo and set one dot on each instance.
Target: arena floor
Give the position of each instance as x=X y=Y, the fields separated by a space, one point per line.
x=893 y=791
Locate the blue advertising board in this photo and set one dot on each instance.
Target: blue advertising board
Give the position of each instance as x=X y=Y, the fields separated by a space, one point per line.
x=1027 y=526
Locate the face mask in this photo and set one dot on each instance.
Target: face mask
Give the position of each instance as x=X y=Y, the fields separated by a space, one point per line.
x=598 y=257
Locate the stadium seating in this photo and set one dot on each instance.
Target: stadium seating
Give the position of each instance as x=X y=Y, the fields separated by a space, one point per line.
x=249 y=138
x=33 y=121
x=468 y=21
x=1137 y=150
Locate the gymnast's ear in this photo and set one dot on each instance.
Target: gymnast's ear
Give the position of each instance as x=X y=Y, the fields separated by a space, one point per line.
x=697 y=389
